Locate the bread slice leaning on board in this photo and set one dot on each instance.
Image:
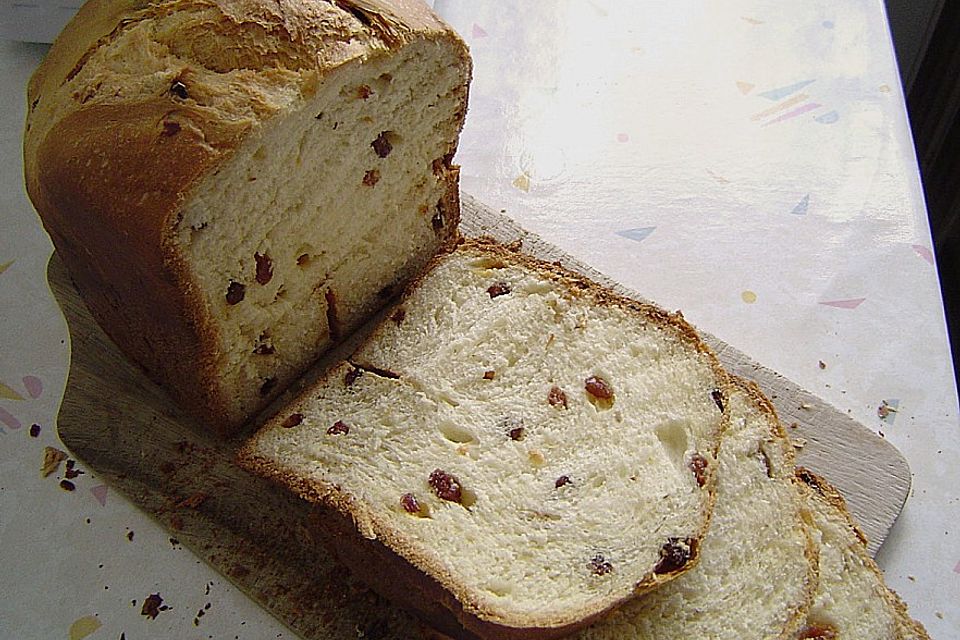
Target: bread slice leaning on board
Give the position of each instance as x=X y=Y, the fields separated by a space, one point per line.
x=236 y=185
x=515 y=451
x=758 y=562
x=851 y=600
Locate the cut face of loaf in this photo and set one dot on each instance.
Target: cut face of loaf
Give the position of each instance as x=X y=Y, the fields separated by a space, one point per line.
x=519 y=449
x=236 y=186
x=360 y=214
x=757 y=571
x=851 y=600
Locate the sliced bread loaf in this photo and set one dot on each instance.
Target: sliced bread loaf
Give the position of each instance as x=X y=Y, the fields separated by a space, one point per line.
x=234 y=185
x=851 y=601
x=757 y=571
x=515 y=452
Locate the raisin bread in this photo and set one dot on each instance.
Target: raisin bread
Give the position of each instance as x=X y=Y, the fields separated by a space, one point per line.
x=757 y=571
x=851 y=601
x=515 y=452
x=234 y=185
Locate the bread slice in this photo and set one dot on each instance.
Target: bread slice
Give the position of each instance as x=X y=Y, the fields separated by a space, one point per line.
x=235 y=185
x=851 y=600
x=515 y=452
x=757 y=572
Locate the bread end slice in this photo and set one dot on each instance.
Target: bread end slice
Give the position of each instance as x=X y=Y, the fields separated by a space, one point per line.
x=852 y=600
x=757 y=573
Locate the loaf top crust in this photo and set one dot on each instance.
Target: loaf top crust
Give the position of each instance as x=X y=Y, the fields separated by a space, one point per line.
x=239 y=61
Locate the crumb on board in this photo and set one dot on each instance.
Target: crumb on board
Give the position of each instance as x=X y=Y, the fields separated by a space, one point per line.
x=152 y=606
x=885 y=410
x=71 y=472
x=52 y=457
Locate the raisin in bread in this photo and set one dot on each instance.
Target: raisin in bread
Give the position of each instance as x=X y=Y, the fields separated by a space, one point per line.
x=757 y=571
x=515 y=452
x=234 y=185
x=851 y=600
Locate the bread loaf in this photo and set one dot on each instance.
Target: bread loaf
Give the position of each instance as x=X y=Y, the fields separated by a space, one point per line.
x=515 y=451
x=758 y=566
x=851 y=600
x=234 y=185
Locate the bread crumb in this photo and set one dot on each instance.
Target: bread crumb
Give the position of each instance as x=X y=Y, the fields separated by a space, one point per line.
x=52 y=457
x=885 y=410
x=798 y=443
x=536 y=458
x=939 y=614
x=911 y=578
x=152 y=606
x=822 y=364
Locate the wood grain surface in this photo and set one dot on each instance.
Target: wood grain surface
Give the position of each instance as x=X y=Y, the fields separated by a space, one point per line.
x=125 y=428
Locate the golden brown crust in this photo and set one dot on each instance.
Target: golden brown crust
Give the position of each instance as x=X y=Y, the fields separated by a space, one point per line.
x=110 y=158
x=135 y=291
x=454 y=608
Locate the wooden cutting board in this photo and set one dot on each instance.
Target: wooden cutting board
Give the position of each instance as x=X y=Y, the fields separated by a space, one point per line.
x=125 y=428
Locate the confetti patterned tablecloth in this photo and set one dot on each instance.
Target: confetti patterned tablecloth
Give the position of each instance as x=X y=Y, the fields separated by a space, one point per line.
x=747 y=161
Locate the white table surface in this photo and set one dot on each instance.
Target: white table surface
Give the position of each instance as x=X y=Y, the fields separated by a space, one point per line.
x=748 y=162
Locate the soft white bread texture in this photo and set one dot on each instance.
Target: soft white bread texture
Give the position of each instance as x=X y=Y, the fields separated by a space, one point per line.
x=234 y=185
x=758 y=563
x=851 y=601
x=515 y=452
